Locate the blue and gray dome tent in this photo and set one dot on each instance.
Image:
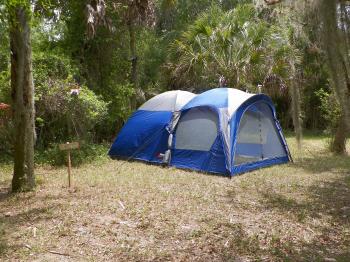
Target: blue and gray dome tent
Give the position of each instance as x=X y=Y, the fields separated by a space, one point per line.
x=223 y=130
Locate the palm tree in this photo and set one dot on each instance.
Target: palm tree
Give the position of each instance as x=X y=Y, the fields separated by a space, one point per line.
x=243 y=48
x=235 y=44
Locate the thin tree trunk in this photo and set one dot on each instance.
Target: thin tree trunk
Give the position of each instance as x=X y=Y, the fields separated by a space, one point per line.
x=132 y=34
x=139 y=96
x=296 y=108
x=22 y=92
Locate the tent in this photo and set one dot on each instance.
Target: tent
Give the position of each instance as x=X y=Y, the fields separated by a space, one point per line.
x=223 y=130
x=145 y=134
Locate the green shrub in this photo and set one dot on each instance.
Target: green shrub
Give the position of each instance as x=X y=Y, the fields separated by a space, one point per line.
x=60 y=115
x=6 y=130
x=87 y=153
x=329 y=109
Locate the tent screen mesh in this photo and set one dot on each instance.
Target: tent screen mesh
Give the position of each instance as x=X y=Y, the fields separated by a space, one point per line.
x=197 y=130
x=257 y=137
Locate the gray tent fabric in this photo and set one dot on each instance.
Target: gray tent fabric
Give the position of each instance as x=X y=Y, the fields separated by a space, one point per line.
x=197 y=130
x=257 y=137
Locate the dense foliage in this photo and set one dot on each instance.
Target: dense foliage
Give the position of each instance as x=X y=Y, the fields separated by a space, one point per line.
x=237 y=44
x=168 y=45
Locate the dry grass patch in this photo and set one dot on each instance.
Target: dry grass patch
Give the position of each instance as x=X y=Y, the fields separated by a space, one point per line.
x=140 y=212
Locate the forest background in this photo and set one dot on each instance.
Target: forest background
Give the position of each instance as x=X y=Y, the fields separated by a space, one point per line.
x=121 y=53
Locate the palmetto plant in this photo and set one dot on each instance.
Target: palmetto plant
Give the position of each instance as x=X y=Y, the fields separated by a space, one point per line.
x=242 y=47
x=236 y=44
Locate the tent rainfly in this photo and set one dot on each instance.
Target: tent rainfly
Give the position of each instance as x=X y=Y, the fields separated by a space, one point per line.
x=223 y=130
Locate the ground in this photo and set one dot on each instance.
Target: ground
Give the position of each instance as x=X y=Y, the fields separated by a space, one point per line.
x=133 y=211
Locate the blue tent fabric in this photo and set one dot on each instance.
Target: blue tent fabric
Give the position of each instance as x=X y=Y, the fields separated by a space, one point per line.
x=143 y=137
x=252 y=148
x=215 y=98
x=223 y=130
x=212 y=161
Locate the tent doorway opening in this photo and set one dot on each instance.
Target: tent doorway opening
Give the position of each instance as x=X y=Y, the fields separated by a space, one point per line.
x=257 y=137
x=197 y=130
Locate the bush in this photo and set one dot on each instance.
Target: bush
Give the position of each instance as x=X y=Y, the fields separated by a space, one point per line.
x=119 y=109
x=329 y=109
x=87 y=153
x=5 y=86
x=62 y=116
x=6 y=134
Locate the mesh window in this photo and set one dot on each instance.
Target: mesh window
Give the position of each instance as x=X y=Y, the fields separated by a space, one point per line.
x=197 y=130
x=257 y=137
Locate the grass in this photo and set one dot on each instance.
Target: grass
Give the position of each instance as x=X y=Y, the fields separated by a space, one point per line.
x=134 y=211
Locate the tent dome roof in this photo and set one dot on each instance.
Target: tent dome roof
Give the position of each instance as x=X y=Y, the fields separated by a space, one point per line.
x=229 y=98
x=168 y=101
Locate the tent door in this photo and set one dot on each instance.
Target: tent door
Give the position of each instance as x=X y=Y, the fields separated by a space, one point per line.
x=258 y=138
x=197 y=130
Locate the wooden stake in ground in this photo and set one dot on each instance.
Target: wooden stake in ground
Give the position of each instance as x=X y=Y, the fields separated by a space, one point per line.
x=69 y=147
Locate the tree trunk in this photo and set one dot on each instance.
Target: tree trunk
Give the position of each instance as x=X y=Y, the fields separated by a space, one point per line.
x=22 y=92
x=335 y=44
x=338 y=145
x=139 y=96
x=296 y=108
x=132 y=34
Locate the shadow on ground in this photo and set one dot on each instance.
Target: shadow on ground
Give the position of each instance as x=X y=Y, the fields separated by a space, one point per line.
x=10 y=221
x=324 y=163
x=327 y=201
x=5 y=190
x=18 y=210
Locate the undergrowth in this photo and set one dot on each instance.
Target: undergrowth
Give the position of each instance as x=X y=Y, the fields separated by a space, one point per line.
x=53 y=156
